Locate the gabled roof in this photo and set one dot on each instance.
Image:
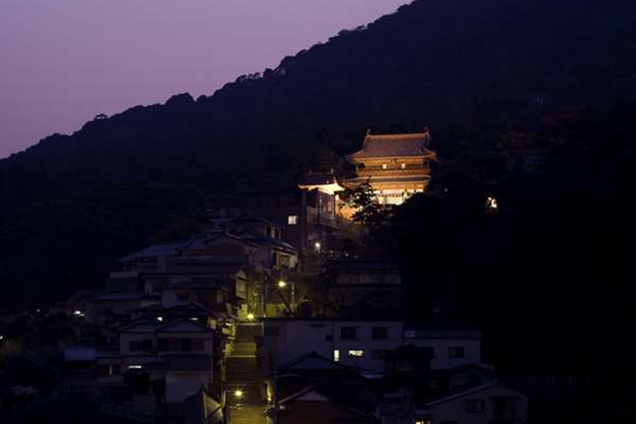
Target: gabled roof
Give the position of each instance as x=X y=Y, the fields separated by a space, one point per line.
x=311 y=394
x=183 y=326
x=189 y=309
x=201 y=241
x=156 y=250
x=312 y=361
x=323 y=181
x=143 y=325
x=470 y=392
x=394 y=145
x=264 y=239
x=116 y=296
x=248 y=217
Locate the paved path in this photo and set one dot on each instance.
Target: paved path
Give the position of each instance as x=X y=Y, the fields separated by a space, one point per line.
x=243 y=374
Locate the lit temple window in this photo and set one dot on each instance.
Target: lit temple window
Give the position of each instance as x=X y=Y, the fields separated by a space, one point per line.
x=356 y=353
x=403 y=166
x=292 y=219
x=336 y=355
x=384 y=166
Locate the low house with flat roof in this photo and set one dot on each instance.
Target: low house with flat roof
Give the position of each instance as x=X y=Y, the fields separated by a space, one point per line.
x=355 y=285
x=363 y=343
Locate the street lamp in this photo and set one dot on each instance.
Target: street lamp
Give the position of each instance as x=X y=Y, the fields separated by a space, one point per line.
x=250 y=316
x=238 y=393
x=283 y=284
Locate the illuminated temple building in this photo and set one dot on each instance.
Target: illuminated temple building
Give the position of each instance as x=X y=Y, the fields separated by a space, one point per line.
x=396 y=165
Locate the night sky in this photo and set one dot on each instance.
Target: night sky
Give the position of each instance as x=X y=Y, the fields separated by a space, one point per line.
x=64 y=61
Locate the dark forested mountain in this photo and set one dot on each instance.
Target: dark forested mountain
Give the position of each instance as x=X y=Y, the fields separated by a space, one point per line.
x=431 y=63
x=431 y=60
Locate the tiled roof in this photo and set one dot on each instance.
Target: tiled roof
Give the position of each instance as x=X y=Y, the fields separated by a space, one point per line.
x=155 y=250
x=201 y=241
x=317 y=178
x=263 y=239
x=117 y=296
x=394 y=145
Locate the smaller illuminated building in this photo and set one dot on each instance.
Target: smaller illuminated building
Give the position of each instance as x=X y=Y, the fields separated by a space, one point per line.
x=396 y=165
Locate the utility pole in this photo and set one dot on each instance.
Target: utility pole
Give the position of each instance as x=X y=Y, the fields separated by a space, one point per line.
x=276 y=405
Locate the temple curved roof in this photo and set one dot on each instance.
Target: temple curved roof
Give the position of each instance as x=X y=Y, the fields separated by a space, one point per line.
x=394 y=145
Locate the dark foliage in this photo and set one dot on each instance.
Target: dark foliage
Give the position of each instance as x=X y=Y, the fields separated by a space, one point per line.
x=53 y=248
x=548 y=274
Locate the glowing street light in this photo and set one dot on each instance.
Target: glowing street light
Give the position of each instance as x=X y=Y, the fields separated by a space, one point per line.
x=317 y=246
x=250 y=316
x=283 y=284
x=238 y=393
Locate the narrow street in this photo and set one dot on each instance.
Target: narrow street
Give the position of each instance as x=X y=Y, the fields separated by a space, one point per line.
x=243 y=378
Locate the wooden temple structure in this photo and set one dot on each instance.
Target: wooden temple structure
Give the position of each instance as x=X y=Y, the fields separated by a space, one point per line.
x=396 y=165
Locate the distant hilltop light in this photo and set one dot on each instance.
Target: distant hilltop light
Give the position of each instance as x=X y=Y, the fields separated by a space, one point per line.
x=491 y=203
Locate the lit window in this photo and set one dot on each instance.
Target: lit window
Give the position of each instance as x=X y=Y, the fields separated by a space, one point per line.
x=356 y=353
x=384 y=166
x=292 y=220
x=403 y=166
x=134 y=367
x=336 y=355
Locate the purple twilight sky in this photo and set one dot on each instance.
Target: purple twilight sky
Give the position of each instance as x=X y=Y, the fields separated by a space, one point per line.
x=64 y=61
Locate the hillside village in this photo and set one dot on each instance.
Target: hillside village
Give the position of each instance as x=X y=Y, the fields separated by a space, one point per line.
x=264 y=318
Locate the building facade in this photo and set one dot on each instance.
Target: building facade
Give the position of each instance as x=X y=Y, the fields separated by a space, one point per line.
x=396 y=165
x=364 y=343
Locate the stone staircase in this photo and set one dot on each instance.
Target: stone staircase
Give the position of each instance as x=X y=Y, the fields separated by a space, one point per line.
x=244 y=374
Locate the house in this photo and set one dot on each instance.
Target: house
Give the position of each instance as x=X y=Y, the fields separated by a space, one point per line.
x=409 y=382
x=396 y=165
x=363 y=343
x=160 y=362
x=306 y=217
x=214 y=268
x=339 y=381
x=260 y=231
x=309 y=406
x=486 y=404
x=104 y=306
